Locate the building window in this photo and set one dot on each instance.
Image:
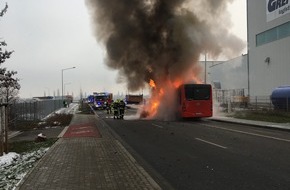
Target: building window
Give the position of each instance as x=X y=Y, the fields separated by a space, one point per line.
x=284 y=30
x=260 y=39
x=273 y=34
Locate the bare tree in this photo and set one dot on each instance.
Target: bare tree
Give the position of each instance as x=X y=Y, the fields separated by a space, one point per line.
x=4 y=10
x=9 y=88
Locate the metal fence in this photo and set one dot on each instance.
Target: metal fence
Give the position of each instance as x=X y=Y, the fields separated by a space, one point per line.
x=33 y=110
x=232 y=100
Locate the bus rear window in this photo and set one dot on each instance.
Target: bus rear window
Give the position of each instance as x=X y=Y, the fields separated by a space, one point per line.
x=201 y=92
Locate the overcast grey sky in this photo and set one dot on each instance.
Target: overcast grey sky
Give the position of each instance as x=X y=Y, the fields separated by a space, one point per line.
x=50 y=35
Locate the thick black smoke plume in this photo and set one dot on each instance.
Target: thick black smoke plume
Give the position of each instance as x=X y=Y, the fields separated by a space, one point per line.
x=161 y=39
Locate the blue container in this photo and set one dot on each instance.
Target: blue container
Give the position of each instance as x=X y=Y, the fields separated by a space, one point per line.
x=280 y=97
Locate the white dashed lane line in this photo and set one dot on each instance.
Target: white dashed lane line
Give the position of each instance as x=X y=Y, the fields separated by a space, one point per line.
x=211 y=143
x=159 y=126
x=249 y=133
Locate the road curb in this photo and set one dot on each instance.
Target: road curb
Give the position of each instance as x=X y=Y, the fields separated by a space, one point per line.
x=274 y=126
x=63 y=132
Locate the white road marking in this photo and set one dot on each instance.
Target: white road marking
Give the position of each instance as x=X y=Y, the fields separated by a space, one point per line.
x=157 y=125
x=220 y=146
x=248 y=133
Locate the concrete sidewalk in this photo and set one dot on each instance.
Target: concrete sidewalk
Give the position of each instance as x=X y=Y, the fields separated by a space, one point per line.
x=281 y=126
x=88 y=156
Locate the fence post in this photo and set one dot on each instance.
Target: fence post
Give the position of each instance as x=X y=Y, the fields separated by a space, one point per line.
x=6 y=127
x=21 y=112
x=229 y=105
x=1 y=131
x=25 y=111
x=256 y=99
x=270 y=104
x=287 y=104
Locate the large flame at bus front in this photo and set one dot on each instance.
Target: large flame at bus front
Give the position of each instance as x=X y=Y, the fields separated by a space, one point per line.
x=163 y=101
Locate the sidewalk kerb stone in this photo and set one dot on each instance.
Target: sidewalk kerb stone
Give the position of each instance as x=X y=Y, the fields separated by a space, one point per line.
x=63 y=132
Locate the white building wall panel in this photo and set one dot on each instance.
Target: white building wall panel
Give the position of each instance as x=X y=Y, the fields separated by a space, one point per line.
x=264 y=76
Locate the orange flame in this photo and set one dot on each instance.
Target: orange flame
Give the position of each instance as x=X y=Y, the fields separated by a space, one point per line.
x=154 y=107
x=177 y=83
x=196 y=79
x=154 y=101
x=159 y=92
x=152 y=83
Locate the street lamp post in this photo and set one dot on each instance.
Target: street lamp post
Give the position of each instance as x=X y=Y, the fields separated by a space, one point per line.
x=62 y=80
x=64 y=85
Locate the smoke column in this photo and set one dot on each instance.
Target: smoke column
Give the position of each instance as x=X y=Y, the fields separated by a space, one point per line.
x=161 y=39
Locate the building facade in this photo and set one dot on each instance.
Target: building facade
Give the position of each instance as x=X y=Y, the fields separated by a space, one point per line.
x=268 y=45
x=229 y=75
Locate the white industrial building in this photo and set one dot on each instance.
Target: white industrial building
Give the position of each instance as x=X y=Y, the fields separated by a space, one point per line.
x=229 y=75
x=229 y=78
x=267 y=64
x=268 y=45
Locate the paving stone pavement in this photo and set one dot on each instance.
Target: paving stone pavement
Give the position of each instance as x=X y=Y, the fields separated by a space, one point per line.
x=88 y=163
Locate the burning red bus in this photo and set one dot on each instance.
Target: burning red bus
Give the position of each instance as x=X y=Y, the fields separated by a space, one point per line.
x=180 y=101
x=194 y=101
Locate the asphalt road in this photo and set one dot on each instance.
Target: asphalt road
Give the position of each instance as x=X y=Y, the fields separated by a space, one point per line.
x=209 y=155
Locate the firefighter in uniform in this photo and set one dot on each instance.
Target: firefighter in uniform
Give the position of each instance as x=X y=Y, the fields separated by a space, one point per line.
x=122 y=109
x=116 y=109
x=108 y=107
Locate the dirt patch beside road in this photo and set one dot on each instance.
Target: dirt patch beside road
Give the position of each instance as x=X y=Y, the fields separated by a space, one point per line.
x=30 y=135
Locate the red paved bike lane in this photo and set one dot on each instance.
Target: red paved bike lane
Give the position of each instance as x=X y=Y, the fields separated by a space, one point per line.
x=82 y=130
